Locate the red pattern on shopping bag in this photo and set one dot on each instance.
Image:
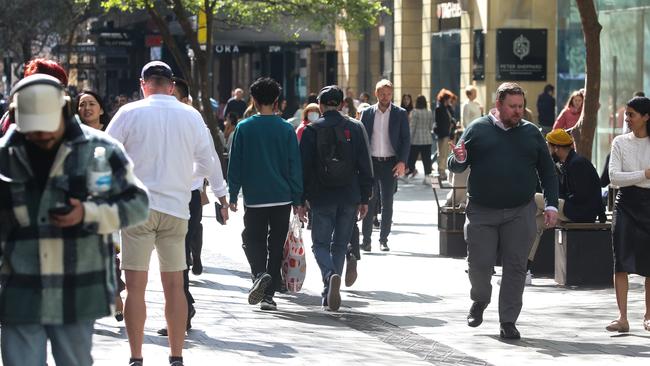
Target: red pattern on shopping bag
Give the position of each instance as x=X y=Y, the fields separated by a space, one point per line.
x=294 y=264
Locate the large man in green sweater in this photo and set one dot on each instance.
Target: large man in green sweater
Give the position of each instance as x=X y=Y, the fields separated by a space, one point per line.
x=265 y=164
x=507 y=157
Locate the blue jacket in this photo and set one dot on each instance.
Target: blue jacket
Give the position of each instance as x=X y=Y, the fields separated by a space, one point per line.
x=361 y=186
x=398 y=129
x=265 y=162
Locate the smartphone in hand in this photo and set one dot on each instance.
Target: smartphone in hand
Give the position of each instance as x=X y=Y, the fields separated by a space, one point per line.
x=61 y=210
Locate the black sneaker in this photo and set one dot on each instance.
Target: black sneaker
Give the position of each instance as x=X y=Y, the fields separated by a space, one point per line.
x=365 y=247
x=268 y=303
x=384 y=247
x=256 y=293
x=135 y=362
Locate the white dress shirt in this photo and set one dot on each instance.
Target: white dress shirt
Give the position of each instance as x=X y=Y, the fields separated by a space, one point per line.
x=380 y=145
x=169 y=145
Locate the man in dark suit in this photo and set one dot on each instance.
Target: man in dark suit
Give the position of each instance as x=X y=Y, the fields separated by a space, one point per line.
x=390 y=141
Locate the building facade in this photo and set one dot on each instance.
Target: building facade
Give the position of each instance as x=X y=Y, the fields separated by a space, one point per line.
x=426 y=45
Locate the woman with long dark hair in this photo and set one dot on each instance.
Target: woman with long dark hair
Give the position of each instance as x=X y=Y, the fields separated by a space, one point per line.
x=91 y=110
x=629 y=169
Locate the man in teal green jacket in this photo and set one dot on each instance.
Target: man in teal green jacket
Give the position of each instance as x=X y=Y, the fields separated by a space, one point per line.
x=265 y=164
x=507 y=157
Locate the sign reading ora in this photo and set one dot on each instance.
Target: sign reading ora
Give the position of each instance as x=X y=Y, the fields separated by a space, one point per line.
x=521 y=54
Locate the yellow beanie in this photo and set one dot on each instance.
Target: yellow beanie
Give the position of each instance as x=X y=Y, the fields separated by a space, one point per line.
x=559 y=137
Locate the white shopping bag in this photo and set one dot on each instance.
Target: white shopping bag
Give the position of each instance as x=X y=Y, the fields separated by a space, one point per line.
x=294 y=264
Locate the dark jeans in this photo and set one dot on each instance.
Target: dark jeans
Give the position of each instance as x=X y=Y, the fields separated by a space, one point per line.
x=265 y=230
x=330 y=235
x=425 y=153
x=194 y=237
x=387 y=183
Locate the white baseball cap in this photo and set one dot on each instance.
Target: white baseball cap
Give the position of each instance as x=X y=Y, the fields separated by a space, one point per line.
x=37 y=102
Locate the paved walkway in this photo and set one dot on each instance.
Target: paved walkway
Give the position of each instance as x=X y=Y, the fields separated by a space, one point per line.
x=408 y=307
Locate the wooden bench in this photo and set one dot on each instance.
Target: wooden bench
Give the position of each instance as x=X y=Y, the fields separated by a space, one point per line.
x=583 y=254
x=451 y=221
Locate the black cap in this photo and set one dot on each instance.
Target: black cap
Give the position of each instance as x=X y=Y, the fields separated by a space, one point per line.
x=157 y=68
x=330 y=95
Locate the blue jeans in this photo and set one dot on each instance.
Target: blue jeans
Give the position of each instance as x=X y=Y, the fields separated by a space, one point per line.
x=26 y=344
x=330 y=234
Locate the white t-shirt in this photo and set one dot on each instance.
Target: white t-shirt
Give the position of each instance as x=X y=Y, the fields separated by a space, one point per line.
x=169 y=144
x=629 y=159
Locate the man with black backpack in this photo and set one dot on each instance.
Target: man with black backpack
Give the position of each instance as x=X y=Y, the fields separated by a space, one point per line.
x=337 y=184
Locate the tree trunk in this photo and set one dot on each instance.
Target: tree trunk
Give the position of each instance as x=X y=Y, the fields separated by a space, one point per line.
x=202 y=66
x=589 y=119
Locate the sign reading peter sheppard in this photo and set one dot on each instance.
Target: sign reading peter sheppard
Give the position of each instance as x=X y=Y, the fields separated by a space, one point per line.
x=521 y=54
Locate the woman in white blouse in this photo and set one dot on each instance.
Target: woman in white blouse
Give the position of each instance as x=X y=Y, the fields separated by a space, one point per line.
x=629 y=169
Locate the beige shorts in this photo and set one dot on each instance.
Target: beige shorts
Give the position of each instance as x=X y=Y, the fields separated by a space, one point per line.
x=164 y=232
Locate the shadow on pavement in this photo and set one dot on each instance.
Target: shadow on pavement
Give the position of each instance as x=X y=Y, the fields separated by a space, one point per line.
x=218 y=270
x=388 y=296
x=204 y=283
x=108 y=333
x=268 y=349
x=315 y=300
x=558 y=348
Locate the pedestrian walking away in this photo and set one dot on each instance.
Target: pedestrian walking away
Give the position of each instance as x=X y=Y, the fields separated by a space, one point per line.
x=265 y=164
x=194 y=236
x=64 y=188
x=388 y=132
x=501 y=206
x=629 y=169
x=420 y=126
x=337 y=184
x=158 y=129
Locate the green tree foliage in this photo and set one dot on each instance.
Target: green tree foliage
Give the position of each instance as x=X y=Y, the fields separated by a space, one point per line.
x=291 y=17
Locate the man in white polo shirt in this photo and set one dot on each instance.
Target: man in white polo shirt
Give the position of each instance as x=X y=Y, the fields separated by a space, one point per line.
x=168 y=143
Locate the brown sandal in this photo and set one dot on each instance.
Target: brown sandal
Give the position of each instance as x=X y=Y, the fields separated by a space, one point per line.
x=618 y=326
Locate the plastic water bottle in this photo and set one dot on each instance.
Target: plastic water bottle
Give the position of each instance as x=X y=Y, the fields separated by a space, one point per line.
x=99 y=173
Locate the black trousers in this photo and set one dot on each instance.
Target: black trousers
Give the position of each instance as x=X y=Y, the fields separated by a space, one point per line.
x=193 y=242
x=265 y=230
x=425 y=153
x=382 y=193
x=194 y=237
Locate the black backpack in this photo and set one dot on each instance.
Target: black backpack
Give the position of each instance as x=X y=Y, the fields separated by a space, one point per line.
x=336 y=164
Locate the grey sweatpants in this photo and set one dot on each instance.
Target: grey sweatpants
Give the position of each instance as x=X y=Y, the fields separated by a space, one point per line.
x=512 y=230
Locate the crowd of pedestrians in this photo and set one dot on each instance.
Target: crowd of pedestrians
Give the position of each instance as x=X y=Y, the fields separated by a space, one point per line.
x=67 y=187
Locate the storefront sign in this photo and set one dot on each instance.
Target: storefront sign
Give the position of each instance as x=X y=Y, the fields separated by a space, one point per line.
x=478 y=59
x=226 y=48
x=521 y=54
x=448 y=10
